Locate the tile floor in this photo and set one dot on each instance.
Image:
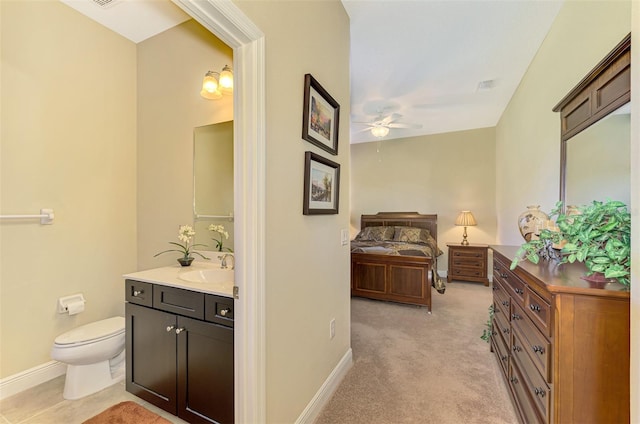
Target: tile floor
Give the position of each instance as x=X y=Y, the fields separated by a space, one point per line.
x=44 y=404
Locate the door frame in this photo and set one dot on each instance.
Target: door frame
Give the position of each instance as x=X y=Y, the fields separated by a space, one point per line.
x=225 y=20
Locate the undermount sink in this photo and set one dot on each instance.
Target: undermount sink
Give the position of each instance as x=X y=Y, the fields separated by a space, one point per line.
x=209 y=275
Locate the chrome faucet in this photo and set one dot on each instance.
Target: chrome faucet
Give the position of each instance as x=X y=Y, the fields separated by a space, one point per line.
x=223 y=261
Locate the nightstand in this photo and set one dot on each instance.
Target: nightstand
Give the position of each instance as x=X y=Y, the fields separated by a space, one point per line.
x=468 y=263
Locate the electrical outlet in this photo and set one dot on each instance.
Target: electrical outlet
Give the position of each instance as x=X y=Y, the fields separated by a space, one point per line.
x=332 y=328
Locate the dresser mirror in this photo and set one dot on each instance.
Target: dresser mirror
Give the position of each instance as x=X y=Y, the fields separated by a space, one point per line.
x=596 y=134
x=213 y=183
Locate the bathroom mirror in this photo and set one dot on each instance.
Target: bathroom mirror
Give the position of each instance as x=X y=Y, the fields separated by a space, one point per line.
x=213 y=183
x=596 y=133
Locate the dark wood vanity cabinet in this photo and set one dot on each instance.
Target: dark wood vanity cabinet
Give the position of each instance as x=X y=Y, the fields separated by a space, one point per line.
x=180 y=351
x=563 y=346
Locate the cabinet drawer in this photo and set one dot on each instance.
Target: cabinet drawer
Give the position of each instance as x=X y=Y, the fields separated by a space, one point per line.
x=501 y=326
x=179 y=301
x=218 y=309
x=468 y=272
x=469 y=254
x=538 y=310
x=533 y=383
x=138 y=292
x=535 y=345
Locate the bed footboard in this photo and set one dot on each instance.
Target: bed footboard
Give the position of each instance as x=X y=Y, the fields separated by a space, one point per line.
x=404 y=279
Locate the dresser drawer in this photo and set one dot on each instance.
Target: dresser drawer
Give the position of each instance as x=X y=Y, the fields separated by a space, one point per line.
x=218 y=309
x=535 y=385
x=138 y=292
x=502 y=353
x=179 y=301
x=501 y=300
x=526 y=406
x=535 y=345
x=538 y=310
x=514 y=285
x=468 y=272
x=501 y=326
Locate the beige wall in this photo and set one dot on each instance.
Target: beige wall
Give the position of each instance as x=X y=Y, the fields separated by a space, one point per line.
x=171 y=66
x=441 y=174
x=69 y=143
x=528 y=134
x=583 y=33
x=307 y=270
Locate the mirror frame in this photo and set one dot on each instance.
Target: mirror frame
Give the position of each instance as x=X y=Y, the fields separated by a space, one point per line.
x=603 y=90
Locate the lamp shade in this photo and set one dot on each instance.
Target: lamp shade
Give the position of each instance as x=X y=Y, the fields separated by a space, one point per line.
x=465 y=218
x=226 y=78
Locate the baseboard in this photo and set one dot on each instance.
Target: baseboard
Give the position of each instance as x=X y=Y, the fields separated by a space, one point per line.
x=24 y=380
x=325 y=392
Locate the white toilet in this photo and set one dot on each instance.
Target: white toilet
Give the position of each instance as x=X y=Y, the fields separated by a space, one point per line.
x=94 y=354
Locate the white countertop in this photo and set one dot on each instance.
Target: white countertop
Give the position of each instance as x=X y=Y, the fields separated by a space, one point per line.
x=170 y=276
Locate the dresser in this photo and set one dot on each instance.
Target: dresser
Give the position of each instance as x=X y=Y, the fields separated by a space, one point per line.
x=563 y=346
x=468 y=263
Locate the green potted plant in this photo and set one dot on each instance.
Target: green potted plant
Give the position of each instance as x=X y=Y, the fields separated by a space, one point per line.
x=186 y=248
x=598 y=235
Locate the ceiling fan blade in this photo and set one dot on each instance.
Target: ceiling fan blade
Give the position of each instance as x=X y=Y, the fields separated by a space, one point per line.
x=362 y=123
x=402 y=125
x=390 y=118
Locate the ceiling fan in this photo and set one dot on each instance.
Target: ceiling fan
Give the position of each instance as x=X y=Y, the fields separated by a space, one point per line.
x=381 y=125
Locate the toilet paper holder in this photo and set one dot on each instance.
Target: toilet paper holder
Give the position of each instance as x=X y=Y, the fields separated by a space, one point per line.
x=63 y=302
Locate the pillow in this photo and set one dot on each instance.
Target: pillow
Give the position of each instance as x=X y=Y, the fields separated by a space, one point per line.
x=417 y=235
x=376 y=234
x=411 y=235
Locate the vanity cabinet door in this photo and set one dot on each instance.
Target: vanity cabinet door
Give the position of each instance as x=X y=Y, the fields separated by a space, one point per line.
x=151 y=355
x=205 y=372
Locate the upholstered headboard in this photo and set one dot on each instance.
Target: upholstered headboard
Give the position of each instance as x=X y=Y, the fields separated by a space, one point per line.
x=402 y=219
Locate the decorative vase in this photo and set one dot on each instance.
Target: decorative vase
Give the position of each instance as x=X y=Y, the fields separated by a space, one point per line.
x=185 y=261
x=597 y=280
x=531 y=221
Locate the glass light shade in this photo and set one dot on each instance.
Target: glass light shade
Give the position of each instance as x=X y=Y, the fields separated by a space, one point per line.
x=379 y=131
x=211 y=95
x=226 y=78
x=210 y=83
x=466 y=218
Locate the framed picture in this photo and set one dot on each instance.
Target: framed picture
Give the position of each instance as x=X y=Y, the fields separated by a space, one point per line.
x=321 y=115
x=321 y=185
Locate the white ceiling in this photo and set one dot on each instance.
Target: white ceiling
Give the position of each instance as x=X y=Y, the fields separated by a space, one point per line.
x=423 y=59
x=420 y=59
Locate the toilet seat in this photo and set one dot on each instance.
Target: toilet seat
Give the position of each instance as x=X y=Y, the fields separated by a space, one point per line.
x=91 y=333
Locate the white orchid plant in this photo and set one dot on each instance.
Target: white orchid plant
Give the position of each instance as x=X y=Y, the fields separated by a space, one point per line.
x=221 y=235
x=185 y=235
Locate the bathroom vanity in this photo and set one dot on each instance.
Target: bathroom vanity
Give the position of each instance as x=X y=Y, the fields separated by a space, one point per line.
x=179 y=344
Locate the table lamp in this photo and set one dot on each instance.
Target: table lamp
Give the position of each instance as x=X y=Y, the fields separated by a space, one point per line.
x=466 y=219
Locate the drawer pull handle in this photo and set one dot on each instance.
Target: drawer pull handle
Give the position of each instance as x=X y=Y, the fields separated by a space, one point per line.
x=494 y=288
x=534 y=308
x=493 y=333
x=513 y=380
x=225 y=312
x=540 y=392
x=179 y=330
x=505 y=302
x=137 y=293
x=538 y=349
x=170 y=327
x=504 y=358
x=515 y=316
x=505 y=331
x=517 y=348
x=496 y=268
x=519 y=291
x=503 y=275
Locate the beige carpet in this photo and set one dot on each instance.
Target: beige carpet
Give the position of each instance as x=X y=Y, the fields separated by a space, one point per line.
x=127 y=412
x=411 y=367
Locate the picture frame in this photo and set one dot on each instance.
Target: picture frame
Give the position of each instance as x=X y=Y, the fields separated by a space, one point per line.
x=321 y=185
x=320 y=117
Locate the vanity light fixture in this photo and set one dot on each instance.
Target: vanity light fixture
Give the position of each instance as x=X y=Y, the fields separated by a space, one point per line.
x=379 y=130
x=465 y=219
x=215 y=84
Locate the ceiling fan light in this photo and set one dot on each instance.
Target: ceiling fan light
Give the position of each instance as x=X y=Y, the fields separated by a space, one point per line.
x=379 y=131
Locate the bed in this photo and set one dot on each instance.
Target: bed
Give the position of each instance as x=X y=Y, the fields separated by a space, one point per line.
x=392 y=258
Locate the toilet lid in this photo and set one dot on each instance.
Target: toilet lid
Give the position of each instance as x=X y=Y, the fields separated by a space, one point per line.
x=92 y=331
